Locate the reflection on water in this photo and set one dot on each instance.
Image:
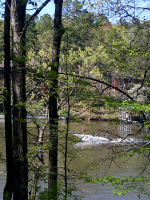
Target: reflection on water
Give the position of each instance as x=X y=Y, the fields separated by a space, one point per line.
x=124 y=129
x=121 y=167
x=94 y=160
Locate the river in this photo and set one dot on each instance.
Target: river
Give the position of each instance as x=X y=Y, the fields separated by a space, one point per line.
x=92 y=159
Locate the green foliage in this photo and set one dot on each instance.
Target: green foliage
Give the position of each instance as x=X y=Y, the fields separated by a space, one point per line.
x=94 y=48
x=31 y=35
x=46 y=194
x=44 y=28
x=122 y=185
x=7 y=196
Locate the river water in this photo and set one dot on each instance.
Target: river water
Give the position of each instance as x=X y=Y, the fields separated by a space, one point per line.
x=94 y=159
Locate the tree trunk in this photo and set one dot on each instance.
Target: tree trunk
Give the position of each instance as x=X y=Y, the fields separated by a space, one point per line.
x=7 y=104
x=18 y=9
x=53 y=136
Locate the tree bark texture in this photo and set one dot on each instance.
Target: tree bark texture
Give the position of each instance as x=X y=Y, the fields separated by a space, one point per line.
x=53 y=136
x=7 y=104
x=18 y=9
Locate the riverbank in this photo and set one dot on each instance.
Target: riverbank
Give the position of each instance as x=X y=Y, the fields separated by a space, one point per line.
x=85 y=115
x=95 y=114
x=80 y=114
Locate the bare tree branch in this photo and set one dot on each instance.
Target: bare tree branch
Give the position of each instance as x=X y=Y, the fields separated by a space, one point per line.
x=146 y=71
x=99 y=81
x=35 y=14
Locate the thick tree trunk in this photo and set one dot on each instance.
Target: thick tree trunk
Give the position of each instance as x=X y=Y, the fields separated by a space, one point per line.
x=53 y=136
x=7 y=104
x=18 y=9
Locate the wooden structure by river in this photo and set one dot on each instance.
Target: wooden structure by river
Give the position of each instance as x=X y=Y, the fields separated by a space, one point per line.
x=124 y=115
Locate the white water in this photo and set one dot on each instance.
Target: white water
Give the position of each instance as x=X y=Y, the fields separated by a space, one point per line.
x=96 y=140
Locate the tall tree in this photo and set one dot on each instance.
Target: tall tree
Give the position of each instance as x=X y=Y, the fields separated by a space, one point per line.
x=31 y=35
x=44 y=28
x=53 y=136
x=16 y=150
x=77 y=8
x=18 y=10
x=7 y=104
